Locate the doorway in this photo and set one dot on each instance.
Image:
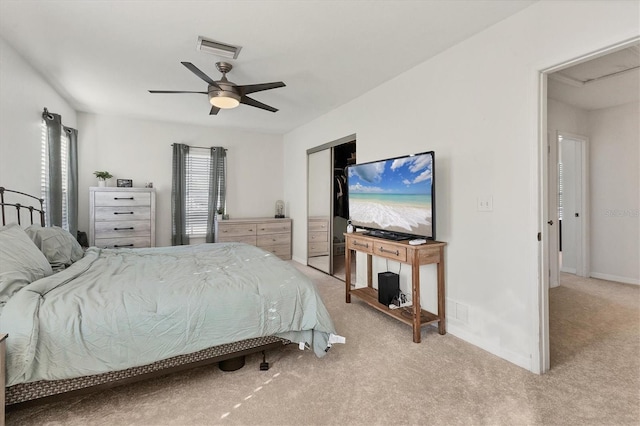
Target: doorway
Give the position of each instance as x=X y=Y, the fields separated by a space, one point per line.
x=554 y=159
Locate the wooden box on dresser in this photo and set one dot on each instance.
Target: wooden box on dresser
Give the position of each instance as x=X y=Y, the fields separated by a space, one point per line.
x=122 y=217
x=273 y=235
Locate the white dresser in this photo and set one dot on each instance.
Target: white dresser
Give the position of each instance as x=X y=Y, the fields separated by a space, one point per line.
x=122 y=217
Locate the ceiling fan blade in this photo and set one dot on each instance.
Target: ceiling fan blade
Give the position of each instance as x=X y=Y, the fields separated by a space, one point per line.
x=252 y=102
x=200 y=74
x=174 y=91
x=214 y=110
x=252 y=88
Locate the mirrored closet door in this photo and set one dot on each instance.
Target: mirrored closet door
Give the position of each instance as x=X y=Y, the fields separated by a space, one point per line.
x=328 y=208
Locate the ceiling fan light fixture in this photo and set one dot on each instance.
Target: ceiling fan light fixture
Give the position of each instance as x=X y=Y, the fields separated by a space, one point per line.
x=224 y=99
x=217 y=48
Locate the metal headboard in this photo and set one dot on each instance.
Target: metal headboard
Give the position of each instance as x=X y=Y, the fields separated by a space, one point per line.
x=20 y=207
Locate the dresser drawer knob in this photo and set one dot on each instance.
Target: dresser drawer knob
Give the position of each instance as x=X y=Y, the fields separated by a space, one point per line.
x=123 y=229
x=123 y=198
x=123 y=245
x=122 y=212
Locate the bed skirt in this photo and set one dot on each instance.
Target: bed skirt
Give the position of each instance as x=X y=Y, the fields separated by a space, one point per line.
x=56 y=389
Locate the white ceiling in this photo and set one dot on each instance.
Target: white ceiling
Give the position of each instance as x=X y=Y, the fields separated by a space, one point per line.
x=603 y=82
x=103 y=56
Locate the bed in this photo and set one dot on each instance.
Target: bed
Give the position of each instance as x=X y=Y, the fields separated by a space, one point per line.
x=81 y=320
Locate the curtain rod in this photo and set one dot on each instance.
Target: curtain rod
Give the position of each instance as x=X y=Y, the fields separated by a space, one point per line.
x=201 y=147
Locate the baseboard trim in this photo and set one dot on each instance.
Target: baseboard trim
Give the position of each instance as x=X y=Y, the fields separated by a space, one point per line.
x=569 y=270
x=616 y=278
x=518 y=359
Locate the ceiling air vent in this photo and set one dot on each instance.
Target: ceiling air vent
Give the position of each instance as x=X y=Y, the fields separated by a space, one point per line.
x=217 y=48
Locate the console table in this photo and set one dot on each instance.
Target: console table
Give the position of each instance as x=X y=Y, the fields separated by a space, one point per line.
x=401 y=251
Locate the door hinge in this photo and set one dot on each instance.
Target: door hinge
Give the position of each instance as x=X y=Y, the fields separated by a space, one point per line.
x=539 y=236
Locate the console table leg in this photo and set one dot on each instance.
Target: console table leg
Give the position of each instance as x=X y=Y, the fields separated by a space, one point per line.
x=347 y=270
x=415 y=290
x=442 y=324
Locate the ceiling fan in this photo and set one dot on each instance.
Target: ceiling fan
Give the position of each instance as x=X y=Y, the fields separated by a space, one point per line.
x=224 y=94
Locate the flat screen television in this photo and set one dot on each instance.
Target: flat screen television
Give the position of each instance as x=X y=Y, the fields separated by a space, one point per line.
x=394 y=198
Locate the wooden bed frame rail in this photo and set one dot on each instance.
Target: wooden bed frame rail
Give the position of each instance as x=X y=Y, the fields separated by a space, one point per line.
x=19 y=207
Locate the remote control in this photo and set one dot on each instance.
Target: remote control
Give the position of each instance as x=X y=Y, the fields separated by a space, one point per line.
x=417 y=242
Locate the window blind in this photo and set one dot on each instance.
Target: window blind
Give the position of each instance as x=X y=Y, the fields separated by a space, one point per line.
x=197 y=191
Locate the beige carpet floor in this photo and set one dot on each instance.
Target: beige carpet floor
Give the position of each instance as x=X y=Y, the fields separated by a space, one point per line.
x=381 y=377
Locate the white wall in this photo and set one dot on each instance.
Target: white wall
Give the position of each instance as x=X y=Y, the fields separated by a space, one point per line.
x=23 y=96
x=615 y=197
x=141 y=150
x=476 y=105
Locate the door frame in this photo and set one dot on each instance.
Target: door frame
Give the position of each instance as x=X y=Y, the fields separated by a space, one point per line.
x=541 y=359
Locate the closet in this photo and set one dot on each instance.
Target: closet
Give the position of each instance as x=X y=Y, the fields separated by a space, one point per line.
x=327 y=204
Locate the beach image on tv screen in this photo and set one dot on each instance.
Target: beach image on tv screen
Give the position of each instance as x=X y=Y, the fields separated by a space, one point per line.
x=394 y=195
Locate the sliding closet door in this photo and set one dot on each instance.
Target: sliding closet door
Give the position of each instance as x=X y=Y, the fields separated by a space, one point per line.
x=319 y=209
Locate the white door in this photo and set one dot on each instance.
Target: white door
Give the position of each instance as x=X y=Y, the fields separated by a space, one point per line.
x=571 y=203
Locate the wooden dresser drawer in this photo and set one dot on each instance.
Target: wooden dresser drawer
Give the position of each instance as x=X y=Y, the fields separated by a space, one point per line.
x=117 y=229
x=318 y=225
x=318 y=249
x=113 y=198
x=273 y=239
x=122 y=213
x=274 y=228
x=247 y=239
x=390 y=251
x=130 y=242
x=282 y=251
x=318 y=236
x=236 y=230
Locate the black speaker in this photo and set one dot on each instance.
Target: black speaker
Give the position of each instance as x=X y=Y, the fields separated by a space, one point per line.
x=388 y=287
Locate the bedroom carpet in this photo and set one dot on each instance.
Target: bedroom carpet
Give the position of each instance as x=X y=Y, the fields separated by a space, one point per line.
x=381 y=377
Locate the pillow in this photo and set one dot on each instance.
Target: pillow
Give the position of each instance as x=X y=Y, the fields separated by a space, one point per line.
x=57 y=245
x=22 y=263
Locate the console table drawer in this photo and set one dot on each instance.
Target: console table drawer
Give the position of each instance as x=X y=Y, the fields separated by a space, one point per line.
x=390 y=251
x=361 y=245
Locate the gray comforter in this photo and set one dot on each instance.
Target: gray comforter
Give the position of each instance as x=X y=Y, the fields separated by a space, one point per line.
x=116 y=309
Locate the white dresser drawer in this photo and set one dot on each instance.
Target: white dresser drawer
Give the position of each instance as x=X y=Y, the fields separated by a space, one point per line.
x=122 y=213
x=113 y=198
x=128 y=228
x=129 y=242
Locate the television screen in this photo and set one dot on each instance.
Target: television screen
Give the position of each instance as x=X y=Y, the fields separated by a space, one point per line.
x=394 y=195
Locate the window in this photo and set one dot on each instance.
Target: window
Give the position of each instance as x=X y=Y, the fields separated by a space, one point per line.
x=198 y=175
